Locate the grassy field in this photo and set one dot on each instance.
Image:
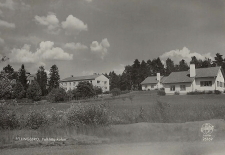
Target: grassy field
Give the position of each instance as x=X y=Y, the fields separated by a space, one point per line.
x=135 y=117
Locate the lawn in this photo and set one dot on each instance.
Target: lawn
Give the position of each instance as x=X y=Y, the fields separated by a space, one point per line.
x=178 y=108
x=138 y=116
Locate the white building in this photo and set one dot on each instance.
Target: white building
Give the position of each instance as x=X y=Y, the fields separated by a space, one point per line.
x=201 y=79
x=70 y=83
x=153 y=82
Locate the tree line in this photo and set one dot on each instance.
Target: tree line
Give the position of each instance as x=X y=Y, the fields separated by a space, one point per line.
x=134 y=74
x=15 y=84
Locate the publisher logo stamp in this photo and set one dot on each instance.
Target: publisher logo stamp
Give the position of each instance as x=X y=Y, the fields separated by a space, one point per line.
x=207 y=130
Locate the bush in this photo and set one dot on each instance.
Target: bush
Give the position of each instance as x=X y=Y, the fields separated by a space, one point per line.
x=98 y=90
x=161 y=92
x=177 y=93
x=87 y=115
x=106 y=92
x=57 y=95
x=196 y=93
x=125 y=92
x=8 y=118
x=36 y=119
x=217 y=92
x=34 y=91
x=209 y=92
x=5 y=88
x=18 y=91
x=85 y=90
x=116 y=91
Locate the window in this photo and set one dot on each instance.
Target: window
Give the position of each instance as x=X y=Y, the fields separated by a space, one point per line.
x=146 y=86
x=152 y=86
x=98 y=81
x=205 y=83
x=105 y=87
x=74 y=83
x=221 y=84
x=172 y=88
x=182 y=87
x=105 y=82
x=218 y=83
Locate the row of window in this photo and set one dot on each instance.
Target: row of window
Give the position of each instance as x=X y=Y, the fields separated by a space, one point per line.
x=220 y=84
x=74 y=83
x=182 y=87
x=146 y=86
x=105 y=82
x=202 y=84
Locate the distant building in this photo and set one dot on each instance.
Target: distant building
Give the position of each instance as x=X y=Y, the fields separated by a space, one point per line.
x=97 y=80
x=201 y=79
x=31 y=77
x=153 y=82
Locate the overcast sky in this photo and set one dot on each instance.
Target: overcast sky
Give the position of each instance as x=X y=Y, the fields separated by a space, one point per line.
x=86 y=36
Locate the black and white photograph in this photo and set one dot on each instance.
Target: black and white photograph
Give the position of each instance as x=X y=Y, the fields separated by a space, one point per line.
x=112 y=77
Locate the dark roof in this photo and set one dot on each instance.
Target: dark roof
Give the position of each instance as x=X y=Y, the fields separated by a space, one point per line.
x=178 y=77
x=163 y=78
x=184 y=76
x=151 y=79
x=31 y=77
x=207 y=72
x=80 y=78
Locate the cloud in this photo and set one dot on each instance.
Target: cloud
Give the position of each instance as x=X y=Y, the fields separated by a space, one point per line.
x=2 y=41
x=100 y=48
x=25 y=6
x=73 y=25
x=185 y=53
x=75 y=46
x=46 y=51
x=89 y=1
x=51 y=21
x=6 y=24
x=9 y=4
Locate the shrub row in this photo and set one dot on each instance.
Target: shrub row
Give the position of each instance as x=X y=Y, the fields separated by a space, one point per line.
x=204 y=92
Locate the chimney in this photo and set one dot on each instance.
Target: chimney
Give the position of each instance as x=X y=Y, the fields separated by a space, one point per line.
x=158 y=77
x=192 y=70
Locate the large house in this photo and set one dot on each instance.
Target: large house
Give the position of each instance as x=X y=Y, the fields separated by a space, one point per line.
x=201 y=79
x=97 y=80
x=153 y=82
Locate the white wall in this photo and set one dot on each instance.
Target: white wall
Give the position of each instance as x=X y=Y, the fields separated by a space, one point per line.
x=103 y=83
x=177 y=88
x=105 y=86
x=149 y=86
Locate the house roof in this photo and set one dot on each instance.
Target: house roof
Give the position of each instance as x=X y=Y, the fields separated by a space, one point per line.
x=207 y=72
x=151 y=79
x=184 y=76
x=80 y=78
x=31 y=77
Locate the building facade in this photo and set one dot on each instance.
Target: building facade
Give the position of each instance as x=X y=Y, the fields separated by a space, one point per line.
x=100 y=81
x=153 y=82
x=201 y=79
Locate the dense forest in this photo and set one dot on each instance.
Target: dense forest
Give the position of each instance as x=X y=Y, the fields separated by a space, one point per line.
x=134 y=74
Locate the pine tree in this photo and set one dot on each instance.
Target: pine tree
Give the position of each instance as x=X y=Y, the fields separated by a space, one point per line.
x=18 y=91
x=135 y=74
x=169 y=67
x=22 y=76
x=143 y=70
x=34 y=91
x=54 y=78
x=42 y=79
x=183 y=65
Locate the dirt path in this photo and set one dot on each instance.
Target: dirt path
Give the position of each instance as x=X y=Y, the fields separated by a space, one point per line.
x=163 y=148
